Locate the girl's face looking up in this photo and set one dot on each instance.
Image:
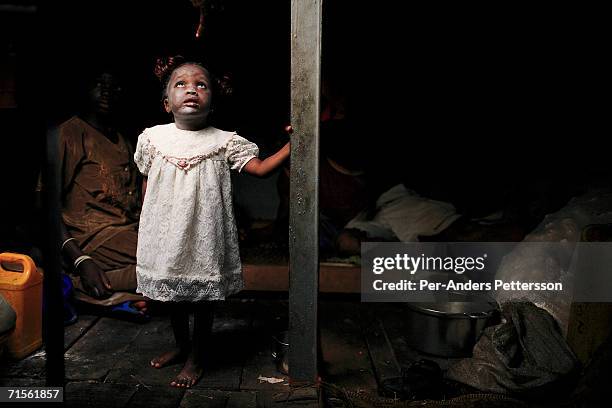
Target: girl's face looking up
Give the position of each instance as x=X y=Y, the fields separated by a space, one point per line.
x=189 y=95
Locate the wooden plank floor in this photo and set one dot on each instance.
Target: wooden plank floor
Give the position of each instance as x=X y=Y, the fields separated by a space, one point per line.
x=107 y=360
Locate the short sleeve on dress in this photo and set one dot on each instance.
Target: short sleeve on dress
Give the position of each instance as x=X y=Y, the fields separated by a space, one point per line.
x=239 y=151
x=143 y=154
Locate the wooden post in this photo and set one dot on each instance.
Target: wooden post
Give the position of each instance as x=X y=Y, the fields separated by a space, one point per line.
x=304 y=210
x=53 y=321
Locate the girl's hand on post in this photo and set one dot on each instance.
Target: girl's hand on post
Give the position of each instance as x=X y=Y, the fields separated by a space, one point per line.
x=289 y=132
x=261 y=168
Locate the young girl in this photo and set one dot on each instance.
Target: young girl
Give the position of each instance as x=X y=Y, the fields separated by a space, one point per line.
x=187 y=240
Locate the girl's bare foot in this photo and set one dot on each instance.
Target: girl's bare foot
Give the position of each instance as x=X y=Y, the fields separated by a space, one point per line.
x=189 y=375
x=169 y=357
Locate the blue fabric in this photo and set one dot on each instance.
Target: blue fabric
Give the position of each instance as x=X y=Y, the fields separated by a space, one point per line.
x=70 y=314
x=127 y=311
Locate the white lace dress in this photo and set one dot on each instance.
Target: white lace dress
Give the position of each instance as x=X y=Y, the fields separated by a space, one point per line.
x=187 y=239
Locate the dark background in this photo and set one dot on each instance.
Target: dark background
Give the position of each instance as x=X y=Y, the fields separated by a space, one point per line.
x=475 y=106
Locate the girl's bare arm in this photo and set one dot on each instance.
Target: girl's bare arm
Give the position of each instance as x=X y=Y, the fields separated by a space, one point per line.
x=261 y=168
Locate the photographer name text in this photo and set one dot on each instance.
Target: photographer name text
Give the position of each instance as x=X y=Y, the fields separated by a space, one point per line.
x=451 y=285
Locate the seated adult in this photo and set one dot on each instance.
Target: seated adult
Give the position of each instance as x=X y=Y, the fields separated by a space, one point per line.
x=100 y=203
x=361 y=199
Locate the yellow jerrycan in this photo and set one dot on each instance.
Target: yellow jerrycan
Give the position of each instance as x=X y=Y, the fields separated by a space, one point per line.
x=21 y=286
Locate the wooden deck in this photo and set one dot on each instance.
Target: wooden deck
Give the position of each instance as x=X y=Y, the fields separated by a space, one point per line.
x=107 y=360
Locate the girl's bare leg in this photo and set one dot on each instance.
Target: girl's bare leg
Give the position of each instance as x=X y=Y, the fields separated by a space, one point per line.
x=202 y=328
x=179 y=317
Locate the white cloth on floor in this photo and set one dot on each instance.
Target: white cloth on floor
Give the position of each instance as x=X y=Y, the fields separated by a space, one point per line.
x=404 y=215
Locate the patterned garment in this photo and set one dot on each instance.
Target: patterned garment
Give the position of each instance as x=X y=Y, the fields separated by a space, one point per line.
x=100 y=194
x=187 y=241
x=101 y=204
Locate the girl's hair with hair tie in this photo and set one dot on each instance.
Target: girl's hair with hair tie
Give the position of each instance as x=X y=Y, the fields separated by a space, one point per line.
x=165 y=66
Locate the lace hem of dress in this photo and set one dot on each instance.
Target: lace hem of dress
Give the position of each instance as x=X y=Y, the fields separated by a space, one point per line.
x=180 y=289
x=183 y=163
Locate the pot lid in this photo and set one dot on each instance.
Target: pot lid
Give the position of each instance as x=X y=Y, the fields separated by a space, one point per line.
x=458 y=305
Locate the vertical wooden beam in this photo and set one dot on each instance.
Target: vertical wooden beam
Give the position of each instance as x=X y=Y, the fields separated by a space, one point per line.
x=53 y=321
x=304 y=207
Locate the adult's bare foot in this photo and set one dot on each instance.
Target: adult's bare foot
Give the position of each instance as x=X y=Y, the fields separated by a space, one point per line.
x=189 y=375
x=169 y=357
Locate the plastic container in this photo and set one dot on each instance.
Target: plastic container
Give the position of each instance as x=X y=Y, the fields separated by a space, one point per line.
x=21 y=286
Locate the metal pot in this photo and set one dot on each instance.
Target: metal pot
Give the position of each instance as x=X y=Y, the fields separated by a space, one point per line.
x=280 y=351
x=448 y=329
